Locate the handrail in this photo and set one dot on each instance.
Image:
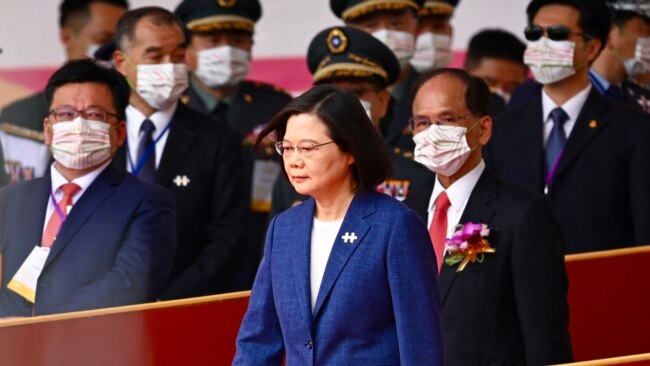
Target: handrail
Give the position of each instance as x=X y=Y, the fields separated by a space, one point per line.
x=610 y=361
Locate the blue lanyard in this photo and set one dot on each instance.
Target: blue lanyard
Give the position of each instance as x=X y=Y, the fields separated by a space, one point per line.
x=135 y=169
x=63 y=216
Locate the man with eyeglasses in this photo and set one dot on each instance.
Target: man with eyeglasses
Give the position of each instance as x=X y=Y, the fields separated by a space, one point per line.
x=500 y=257
x=85 y=235
x=198 y=158
x=351 y=59
x=84 y=26
x=588 y=154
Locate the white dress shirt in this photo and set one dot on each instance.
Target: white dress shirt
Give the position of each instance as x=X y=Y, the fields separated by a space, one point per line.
x=572 y=107
x=458 y=194
x=323 y=236
x=134 y=119
x=59 y=180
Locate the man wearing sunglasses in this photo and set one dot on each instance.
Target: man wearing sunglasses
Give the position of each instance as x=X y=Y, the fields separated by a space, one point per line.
x=588 y=154
x=85 y=235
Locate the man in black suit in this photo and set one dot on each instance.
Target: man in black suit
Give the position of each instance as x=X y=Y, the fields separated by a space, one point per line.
x=509 y=306
x=588 y=154
x=198 y=158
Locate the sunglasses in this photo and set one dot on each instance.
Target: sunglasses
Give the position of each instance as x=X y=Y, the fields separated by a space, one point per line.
x=554 y=32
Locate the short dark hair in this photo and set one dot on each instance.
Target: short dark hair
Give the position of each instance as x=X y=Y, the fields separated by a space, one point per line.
x=595 y=19
x=71 y=9
x=126 y=25
x=348 y=126
x=88 y=71
x=477 y=93
x=621 y=17
x=494 y=43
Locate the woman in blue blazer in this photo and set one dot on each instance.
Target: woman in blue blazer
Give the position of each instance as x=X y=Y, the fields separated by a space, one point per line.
x=349 y=276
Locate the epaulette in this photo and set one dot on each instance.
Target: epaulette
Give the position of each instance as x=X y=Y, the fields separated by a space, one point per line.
x=23 y=132
x=269 y=86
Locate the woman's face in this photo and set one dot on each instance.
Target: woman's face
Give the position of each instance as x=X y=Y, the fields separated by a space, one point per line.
x=317 y=171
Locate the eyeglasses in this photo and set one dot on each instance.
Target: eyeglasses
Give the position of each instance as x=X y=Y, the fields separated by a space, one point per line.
x=67 y=113
x=554 y=32
x=286 y=150
x=422 y=122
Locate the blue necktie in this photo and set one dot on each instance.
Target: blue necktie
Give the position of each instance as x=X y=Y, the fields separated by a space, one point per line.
x=556 y=139
x=148 y=169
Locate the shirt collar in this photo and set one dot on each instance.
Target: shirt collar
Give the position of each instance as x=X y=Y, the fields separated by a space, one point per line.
x=160 y=119
x=572 y=107
x=600 y=82
x=84 y=181
x=459 y=191
x=208 y=99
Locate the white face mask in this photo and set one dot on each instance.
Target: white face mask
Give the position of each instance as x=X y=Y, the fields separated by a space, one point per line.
x=401 y=43
x=504 y=95
x=432 y=51
x=367 y=106
x=80 y=144
x=549 y=60
x=161 y=85
x=640 y=64
x=91 y=49
x=443 y=149
x=222 y=66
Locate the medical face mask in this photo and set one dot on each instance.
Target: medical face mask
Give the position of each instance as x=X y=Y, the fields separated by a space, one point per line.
x=161 y=85
x=401 y=43
x=504 y=95
x=443 y=149
x=222 y=66
x=432 y=51
x=550 y=60
x=367 y=106
x=80 y=143
x=640 y=63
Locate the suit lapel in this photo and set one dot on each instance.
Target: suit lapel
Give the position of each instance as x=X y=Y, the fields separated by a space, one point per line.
x=32 y=218
x=178 y=143
x=588 y=125
x=477 y=211
x=301 y=243
x=98 y=192
x=361 y=206
x=531 y=137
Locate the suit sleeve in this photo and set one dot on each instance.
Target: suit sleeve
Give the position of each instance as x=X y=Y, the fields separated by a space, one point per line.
x=540 y=286
x=640 y=187
x=142 y=264
x=259 y=341
x=414 y=289
x=223 y=252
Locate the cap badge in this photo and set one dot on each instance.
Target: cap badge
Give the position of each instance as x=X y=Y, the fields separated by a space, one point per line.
x=227 y=3
x=337 y=41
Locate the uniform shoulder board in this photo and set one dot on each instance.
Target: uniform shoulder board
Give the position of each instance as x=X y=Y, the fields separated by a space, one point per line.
x=269 y=87
x=23 y=132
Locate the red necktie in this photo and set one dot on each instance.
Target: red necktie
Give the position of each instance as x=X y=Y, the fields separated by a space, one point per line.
x=438 y=229
x=54 y=224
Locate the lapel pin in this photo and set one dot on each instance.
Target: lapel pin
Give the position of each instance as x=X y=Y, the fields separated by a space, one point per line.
x=593 y=123
x=181 y=180
x=351 y=237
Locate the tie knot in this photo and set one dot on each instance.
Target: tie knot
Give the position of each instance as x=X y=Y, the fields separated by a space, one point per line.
x=147 y=126
x=442 y=202
x=559 y=116
x=69 y=189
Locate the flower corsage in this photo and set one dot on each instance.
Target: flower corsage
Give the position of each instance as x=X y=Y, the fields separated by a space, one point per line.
x=468 y=244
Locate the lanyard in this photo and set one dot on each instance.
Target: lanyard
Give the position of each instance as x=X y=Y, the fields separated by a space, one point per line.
x=135 y=169
x=551 y=174
x=63 y=216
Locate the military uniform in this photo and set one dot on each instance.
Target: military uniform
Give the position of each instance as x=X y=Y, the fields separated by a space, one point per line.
x=248 y=109
x=21 y=137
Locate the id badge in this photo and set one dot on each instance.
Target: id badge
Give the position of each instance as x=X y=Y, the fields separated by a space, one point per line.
x=24 y=281
x=265 y=172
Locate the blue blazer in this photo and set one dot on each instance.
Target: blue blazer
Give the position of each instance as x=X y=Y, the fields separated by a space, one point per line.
x=378 y=302
x=116 y=246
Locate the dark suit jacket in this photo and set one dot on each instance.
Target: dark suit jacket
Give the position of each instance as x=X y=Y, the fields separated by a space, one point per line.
x=377 y=304
x=511 y=309
x=211 y=208
x=394 y=126
x=115 y=248
x=602 y=185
